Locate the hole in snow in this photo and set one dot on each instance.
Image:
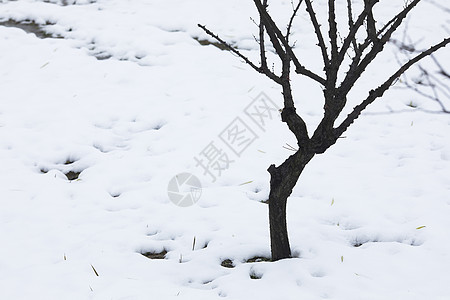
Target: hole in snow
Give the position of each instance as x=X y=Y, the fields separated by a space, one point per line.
x=358 y=242
x=227 y=263
x=152 y=233
x=69 y=161
x=155 y=255
x=72 y=175
x=66 y=167
x=207 y=281
x=102 y=55
x=158 y=126
x=255 y=275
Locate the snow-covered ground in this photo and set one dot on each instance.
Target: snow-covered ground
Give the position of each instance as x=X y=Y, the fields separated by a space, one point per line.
x=125 y=98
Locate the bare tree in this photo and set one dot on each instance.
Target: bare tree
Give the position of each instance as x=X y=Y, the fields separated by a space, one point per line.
x=363 y=42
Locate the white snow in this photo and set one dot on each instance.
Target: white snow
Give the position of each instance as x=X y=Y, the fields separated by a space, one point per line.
x=369 y=219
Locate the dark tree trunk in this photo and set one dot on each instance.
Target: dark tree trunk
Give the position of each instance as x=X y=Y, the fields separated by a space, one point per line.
x=283 y=180
x=279 y=240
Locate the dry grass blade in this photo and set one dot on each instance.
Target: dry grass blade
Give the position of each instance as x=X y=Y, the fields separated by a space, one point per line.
x=95 y=271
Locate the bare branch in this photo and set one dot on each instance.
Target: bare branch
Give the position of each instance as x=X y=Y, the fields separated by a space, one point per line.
x=378 y=92
x=275 y=34
x=265 y=71
x=323 y=48
x=262 y=48
x=303 y=71
x=350 y=22
x=294 y=13
x=396 y=17
x=357 y=67
x=332 y=32
x=333 y=68
x=433 y=97
x=371 y=28
x=270 y=28
x=288 y=115
x=440 y=6
x=428 y=84
x=442 y=71
x=297 y=126
x=352 y=34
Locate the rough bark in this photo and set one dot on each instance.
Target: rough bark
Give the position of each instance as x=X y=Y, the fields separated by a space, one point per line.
x=282 y=181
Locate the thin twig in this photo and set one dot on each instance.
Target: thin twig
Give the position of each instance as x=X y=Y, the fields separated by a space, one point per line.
x=350 y=22
x=265 y=71
x=316 y=25
x=294 y=13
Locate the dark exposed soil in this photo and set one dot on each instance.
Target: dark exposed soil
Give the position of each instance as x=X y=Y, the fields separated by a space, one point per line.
x=30 y=26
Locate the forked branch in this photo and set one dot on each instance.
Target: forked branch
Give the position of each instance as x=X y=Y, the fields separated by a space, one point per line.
x=378 y=92
x=357 y=66
x=261 y=70
x=276 y=36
